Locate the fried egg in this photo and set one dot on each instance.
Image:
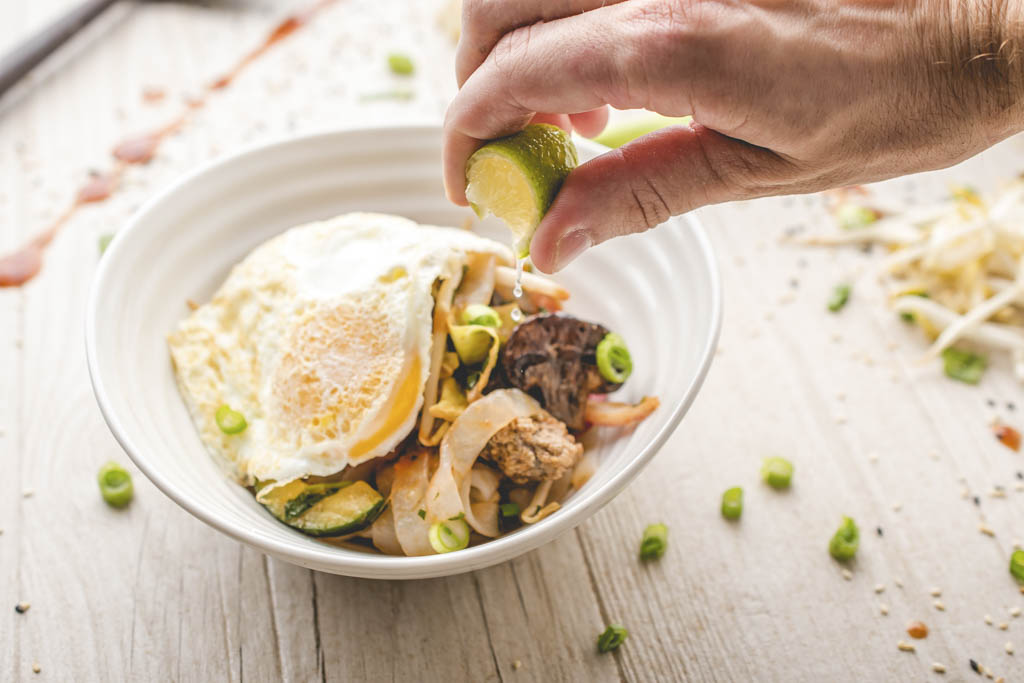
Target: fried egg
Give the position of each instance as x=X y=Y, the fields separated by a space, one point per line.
x=321 y=339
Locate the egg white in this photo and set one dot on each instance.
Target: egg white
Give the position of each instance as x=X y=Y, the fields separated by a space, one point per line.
x=321 y=339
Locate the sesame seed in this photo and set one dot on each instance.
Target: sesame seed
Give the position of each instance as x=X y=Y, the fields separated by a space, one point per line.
x=988 y=619
x=873 y=457
x=840 y=395
x=516 y=665
x=836 y=337
x=884 y=609
x=1003 y=626
x=986 y=529
x=36 y=668
x=965 y=493
x=933 y=454
x=21 y=607
x=898 y=582
x=28 y=493
x=847 y=574
x=769 y=316
x=1008 y=647
x=879 y=587
x=904 y=646
x=1019 y=486
x=935 y=592
x=938 y=668
x=939 y=605
x=997 y=493
x=896 y=507
x=1000 y=680
x=1015 y=611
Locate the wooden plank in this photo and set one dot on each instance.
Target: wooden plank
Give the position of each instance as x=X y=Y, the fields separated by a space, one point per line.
x=152 y=594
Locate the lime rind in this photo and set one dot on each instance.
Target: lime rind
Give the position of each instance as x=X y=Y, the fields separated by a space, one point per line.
x=516 y=178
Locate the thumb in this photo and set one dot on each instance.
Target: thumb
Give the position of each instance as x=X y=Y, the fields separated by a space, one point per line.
x=641 y=184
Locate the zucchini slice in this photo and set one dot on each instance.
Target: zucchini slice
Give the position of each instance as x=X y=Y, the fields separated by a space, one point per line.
x=327 y=509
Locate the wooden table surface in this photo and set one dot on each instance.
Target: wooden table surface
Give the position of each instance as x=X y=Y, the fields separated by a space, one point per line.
x=152 y=594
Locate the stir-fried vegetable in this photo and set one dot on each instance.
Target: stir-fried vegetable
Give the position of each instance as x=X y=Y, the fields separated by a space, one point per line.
x=845 y=541
x=654 y=542
x=732 y=503
x=612 y=637
x=230 y=421
x=966 y=255
x=613 y=359
x=777 y=472
x=115 y=485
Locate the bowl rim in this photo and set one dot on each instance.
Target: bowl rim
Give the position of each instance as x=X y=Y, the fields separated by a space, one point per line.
x=370 y=565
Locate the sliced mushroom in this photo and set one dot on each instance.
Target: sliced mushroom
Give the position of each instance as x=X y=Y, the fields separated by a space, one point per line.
x=552 y=358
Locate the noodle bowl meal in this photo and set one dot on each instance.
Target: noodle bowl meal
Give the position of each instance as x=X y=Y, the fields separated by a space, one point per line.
x=377 y=382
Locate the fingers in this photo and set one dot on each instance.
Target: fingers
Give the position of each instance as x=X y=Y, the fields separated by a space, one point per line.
x=643 y=183
x=484 y=22
x=589 y=124
x=572 y=65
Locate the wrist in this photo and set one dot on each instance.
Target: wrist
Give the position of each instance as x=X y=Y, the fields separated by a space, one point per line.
x=987 y=62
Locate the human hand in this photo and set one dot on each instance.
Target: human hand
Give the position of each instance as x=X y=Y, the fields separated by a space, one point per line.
x=786 y=97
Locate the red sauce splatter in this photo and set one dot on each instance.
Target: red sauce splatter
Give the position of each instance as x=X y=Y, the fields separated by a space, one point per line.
x=101 y=186
x=138 y=150
x=153 y=94
x=1008 y=436
x=22 y=265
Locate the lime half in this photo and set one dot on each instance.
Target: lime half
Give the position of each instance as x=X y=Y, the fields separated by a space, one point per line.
x=517 y=177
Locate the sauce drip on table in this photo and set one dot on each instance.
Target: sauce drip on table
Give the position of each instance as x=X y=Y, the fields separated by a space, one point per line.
x=22 y=265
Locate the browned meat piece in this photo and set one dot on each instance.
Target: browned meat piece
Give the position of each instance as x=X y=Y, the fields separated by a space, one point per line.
x=552 y=358
x=535 y=448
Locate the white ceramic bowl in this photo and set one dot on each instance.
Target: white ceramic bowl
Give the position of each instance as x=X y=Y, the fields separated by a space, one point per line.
x=660 y=290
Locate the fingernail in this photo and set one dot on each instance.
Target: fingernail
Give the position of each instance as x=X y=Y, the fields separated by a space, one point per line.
x=571 y=246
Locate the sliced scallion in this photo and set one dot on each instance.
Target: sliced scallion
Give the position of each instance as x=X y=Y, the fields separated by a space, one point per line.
x=777 y=472
x=654 y=542
x=446 y=537
x=840 y=296
x=612 y=637
x=613 y=359
x=230 y=421
x=115 y=485
x=963 y=366
x=1017 y=565
x=845 y=541
x=732 y=503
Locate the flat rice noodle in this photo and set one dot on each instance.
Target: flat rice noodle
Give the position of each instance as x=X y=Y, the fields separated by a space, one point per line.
x=479 y=494
x=478 y=283
x=462 y=445
x=412 y=476
x=382 y=531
